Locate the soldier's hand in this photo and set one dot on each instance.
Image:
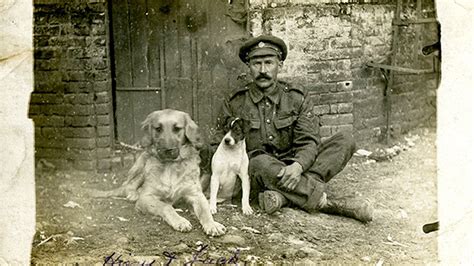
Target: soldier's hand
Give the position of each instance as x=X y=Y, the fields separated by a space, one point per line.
x=290 y=176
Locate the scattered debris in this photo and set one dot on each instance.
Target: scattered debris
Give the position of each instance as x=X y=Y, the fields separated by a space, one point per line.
x=403 y=214
x=232 y=239
x=72 y=204
x=380 y=262
x=68 y=238
x=385 y=154
x=393 y=242
x=362 y=153
x=252 y=258
x=250 y=230
x=365 y=258
x=122 y=219
x=180 y=248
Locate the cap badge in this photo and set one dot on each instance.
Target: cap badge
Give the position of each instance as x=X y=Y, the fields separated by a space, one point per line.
x=261 y=44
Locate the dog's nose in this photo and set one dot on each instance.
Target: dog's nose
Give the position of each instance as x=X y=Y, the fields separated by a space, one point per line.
x=169 y=154
x=227 y=141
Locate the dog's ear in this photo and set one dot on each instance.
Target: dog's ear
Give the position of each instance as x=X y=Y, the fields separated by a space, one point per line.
x=192 y=132
x=146 y=127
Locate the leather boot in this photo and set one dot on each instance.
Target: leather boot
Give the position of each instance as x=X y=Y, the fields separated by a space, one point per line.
x=349 y=207
x=271 y=201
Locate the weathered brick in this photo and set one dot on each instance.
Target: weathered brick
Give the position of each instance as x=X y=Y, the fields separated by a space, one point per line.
x=59 y=163
x=104 y=165
x=52 y=132
x=117 y=163
x=54 y=120
x=79 y=132
x=80 y=121
x=43 y=142
x=344 y=85
x=79 y=98
x=103 y=131
x=101 y=86
x=79 y=87
x=98 y=75
x=96 y=52
x=80 y=143
x=77 y=153
x=342 y=128
x=34 y=110
x=80 y=109
x=96 y=41
x=336 y=97
x=50 y=78
x=102 y=97
x=53 y=109
x=75 y=76
x=103 y=120
x=321 y=109
x=47 y=30
x=103 y=108
x=325 y=131
x=46 y=64
x=48 y=152
x=104 y=142
x=104 y=152
x=335 y=76
x=339 y=119
x=341 y=108
x=76 y=52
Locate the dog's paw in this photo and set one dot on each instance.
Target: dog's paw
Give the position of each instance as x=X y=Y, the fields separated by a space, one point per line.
x=213 y=209
x=132 y=195
x=214 y=229
x=182 y=225
x=247 y=210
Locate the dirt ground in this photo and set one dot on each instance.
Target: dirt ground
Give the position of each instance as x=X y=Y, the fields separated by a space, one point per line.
x=73 y=228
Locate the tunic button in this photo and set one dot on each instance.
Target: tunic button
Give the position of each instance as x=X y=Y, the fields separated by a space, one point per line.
x=270 y=137
x=268 y=104
x=268 y=121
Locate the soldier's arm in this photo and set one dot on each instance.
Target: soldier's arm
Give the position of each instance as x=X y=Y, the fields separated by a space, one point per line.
x=306 y=135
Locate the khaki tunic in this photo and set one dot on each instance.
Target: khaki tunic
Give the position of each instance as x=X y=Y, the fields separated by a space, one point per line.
x=282 y=122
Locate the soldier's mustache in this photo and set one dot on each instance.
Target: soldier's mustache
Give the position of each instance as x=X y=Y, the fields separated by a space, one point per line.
x=263 y=76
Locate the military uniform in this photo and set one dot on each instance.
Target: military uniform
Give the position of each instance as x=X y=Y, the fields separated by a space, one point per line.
x=282 y=132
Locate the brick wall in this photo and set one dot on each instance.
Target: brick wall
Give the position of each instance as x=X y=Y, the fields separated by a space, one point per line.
x=329 y=45
x=72 y=101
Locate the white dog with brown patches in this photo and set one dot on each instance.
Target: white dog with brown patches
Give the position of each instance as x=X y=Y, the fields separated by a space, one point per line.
x=229 y=161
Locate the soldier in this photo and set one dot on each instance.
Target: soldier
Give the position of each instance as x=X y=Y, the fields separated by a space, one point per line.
x=288 y=162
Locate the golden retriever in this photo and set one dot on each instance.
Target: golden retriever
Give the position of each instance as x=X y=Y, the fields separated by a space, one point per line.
x=168 y=171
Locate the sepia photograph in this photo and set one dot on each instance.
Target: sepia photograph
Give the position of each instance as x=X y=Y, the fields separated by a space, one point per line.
x=241 y=132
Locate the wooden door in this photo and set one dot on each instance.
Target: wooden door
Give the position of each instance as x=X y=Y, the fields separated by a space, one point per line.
x=179 y=54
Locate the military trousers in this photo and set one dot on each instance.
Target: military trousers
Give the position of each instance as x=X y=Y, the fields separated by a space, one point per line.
x=333 y=155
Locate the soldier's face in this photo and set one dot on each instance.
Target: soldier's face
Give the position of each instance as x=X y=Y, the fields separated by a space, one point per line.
x=264 y=70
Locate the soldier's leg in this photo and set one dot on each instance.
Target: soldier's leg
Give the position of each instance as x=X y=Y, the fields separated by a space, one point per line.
x=264 y=169
x=333 y=156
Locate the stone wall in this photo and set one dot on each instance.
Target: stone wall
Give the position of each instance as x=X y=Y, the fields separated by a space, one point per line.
x=329 y=46
x=72 y=100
